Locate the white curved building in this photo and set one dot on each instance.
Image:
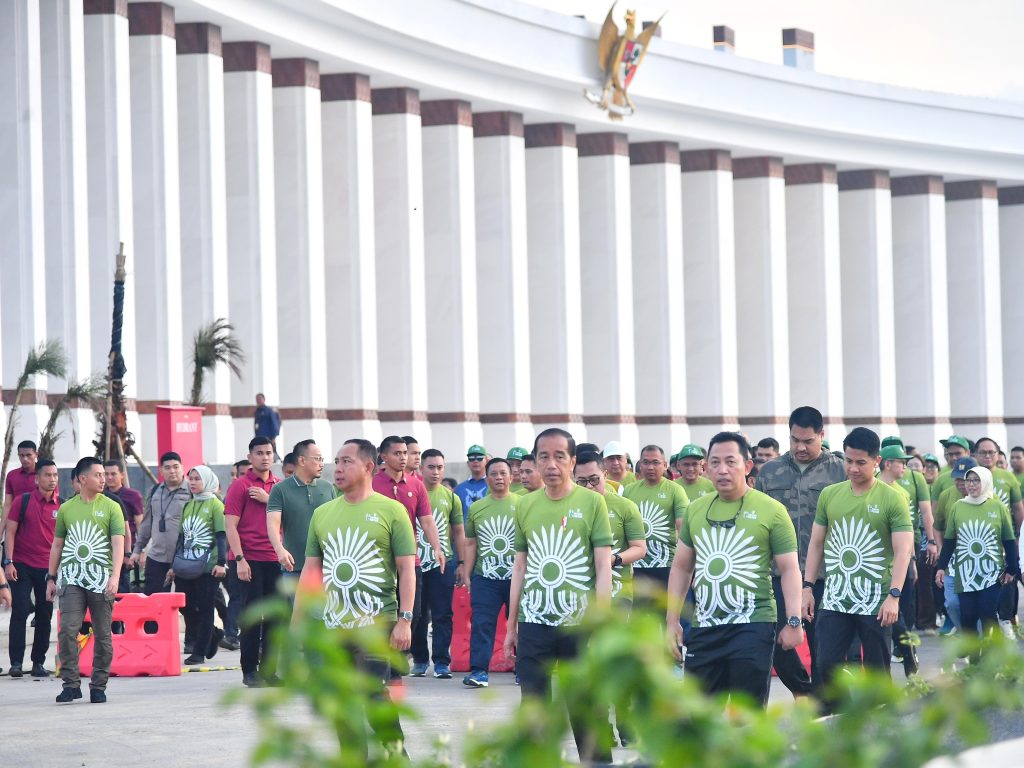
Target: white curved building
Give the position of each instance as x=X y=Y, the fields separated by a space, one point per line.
x=418 y=224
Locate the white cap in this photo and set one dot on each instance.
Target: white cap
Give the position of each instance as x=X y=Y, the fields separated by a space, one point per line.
x=613 y=448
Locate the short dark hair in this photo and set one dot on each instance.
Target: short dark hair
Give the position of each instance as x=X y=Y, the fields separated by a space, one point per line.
x=731 y=437
x=367 y=450
x=768 y=442
x=556 y=432
x=110 y=463
x=84 y=465
x=170 y=456
x=431 y=453
x=389 y=441
x=450 y=483
x=260 y=440
x=981 y=440
x=754 y=470
x=302 y=447
x=27 y=444
x=497 y=460
x=653 y=447
x=807 y=417
x=44 y=463
x=242 y=463
x=1017 y=448
x=585 y=457
x=587 y=448
x=410 y=440
x=863 y=439
x=289 y=458
x=530 y=458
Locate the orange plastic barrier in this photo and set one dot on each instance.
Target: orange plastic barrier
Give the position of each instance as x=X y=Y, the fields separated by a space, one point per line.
x=462 y=614
x=137 y=652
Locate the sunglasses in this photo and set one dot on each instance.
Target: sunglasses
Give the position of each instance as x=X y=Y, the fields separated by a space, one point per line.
x=592 y=481
x=475 y=458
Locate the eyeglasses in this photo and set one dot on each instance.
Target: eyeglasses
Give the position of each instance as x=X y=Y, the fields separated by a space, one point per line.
x=650 y=462
x=988 y=453
x=475 y=458
x=972 y=481
x=592 y=481
x=314 y=459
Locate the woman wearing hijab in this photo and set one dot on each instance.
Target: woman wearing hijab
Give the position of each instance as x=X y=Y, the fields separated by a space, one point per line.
x=199 y=560
x=979 y=539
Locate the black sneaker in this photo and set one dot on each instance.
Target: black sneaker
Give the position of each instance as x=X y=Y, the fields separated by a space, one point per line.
x=69 y=694
x=215 y=640
x=96 y=696
x=272 y=681
x=230 y=644
x=38 y=670
x=15 y=670
x=252 y=680
x=910 y=663
x=193 y=660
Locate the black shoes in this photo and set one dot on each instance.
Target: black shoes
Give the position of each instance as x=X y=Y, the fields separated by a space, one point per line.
x=192 y=660
x=15 y=670
x=69 y=694
x=96 y=696
x=252 y=680
x=910 y=663
x=230 y=644
x=39 y=671
x=215 y=642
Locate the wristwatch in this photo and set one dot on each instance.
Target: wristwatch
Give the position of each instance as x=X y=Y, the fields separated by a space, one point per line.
x=794 y=621
x=407 y=615
x=239 y=558
x=617 y=561
x=50 y=577
x=6 y=561
x=808 y=585
x=895 y=593
x=5 y=585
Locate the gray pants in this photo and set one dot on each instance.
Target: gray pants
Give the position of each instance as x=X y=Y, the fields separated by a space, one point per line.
x=74 y=601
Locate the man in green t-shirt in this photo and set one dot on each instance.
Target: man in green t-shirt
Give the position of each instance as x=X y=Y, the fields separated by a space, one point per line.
x=515 y=458
x=438 y=584
x=690 y=463
x=862 y=532
x=88 y=549
x=1017 y=463
x=662 y=505
x=359 y=550
x=615 y=461
x=728 y=542
x=563 y=562
x=954 y=447
x=529 y=476
x=486 y=571
x=291 y=504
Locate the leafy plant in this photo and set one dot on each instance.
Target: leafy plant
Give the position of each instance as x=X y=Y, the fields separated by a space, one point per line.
x=88 y=391
x=214 y=344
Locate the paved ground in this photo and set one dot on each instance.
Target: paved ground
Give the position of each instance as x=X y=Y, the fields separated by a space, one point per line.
x=181 y=721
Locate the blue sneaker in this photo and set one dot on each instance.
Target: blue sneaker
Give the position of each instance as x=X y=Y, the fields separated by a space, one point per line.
x=442 y=671
x=476 y=679
x=517 y=678
x=418 y=670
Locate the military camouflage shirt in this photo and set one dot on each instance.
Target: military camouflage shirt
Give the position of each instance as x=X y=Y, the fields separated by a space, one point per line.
x=798 y=491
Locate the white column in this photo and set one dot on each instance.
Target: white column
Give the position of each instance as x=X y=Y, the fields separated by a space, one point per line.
x=349 y=259
x=922 y=309
x=762 y=344
x=251 y=229
x=659 y=323
x=108 y=124
x=709 y=293
x=298 y=199
x=606 y=285
x=975 y=330
x=204 y=240
x=502 y=281
x=1011 y=247
x=553 y=257
x=866 y=275
x=65 y=211
x=398 y=233
x=22 y=260
x=449 y=239
x=157 y=260
x=815 y=298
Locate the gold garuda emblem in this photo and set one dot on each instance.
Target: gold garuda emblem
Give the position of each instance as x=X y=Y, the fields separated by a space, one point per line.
x=619 y=56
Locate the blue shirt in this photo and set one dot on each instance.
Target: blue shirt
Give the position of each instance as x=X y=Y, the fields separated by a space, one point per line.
x=469 y=491
x=267 y=422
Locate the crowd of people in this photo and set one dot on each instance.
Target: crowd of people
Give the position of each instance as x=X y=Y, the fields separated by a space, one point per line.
x=746 y=550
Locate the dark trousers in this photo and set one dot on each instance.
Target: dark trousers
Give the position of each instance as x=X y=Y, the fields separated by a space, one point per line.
x=982 y=606
x=401 y=665
x=382 y=720
x=791 y=670
x=234 y=601
x=198 y=610
x=255 y=636
x=835 y=632
x=436 y=610
x=733 y=658
x=30 y=581
x=486 y=597
x=1008 y=601
x=926 y=608
x=156 y=573
x=539 y=648
x=908 y=599
x=73 y=603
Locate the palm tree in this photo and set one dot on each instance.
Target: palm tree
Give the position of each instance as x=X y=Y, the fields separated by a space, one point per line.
x=88 y=391
x=214 y=344
x=48 y=359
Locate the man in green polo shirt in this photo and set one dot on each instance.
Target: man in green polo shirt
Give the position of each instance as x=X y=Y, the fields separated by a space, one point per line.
x=291 y=504
x=690 y=462
x=954 y=447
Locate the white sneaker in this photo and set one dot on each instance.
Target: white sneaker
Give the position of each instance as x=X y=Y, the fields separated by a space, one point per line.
x=1007 y=628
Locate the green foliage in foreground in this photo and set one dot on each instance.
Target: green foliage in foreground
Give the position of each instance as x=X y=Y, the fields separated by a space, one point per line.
x=625 y=666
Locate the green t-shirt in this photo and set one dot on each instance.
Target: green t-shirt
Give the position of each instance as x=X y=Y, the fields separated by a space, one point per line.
x=660 y=506
x=87 y=528
x=559 y=537
x=732 y=578
x=296 y=501
x=858 y=544
x=942 y=507
x=916 y=486
x=979 y=530
x=359 y=544
x=201 y=521
x=701 y=487
x=522 y=491
x=626 y=526
x=942 y=482
x=491 y=522
x=516 y=488
x=1005 y=487
x=447 y=508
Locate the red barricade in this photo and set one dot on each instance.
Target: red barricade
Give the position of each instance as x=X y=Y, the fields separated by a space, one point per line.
x=804 y=652
x=136 y=652
x=462 y=615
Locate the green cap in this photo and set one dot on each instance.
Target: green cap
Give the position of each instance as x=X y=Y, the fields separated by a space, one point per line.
x=932 y=458
x=517 y=454
x=894 y=452
x=825 y=445
x=690 y=451
x=476 y=450
x=956 y=440
x=892 y=440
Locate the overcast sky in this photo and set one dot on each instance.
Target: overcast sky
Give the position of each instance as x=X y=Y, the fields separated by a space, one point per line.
x=971 y=47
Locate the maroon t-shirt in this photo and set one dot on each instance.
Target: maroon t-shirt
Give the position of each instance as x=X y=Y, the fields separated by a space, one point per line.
x=19 y=481
x=409 y=492
x=252 y=516
x=133 y=503
x=35 y=530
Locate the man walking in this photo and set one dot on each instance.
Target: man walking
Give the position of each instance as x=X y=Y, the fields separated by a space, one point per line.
x=20 y=480
x=161 y=523
x=690 y=461
x=616 y=466
x=266 y=422
x=529 y=476
x=515 y=458
x=475 y=486
x=133 y=504
x=88 y=548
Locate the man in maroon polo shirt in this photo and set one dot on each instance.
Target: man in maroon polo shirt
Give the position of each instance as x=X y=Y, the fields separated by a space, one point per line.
x=30 y=528
x=23 y=479
x=255 y=570
x=134 y=507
